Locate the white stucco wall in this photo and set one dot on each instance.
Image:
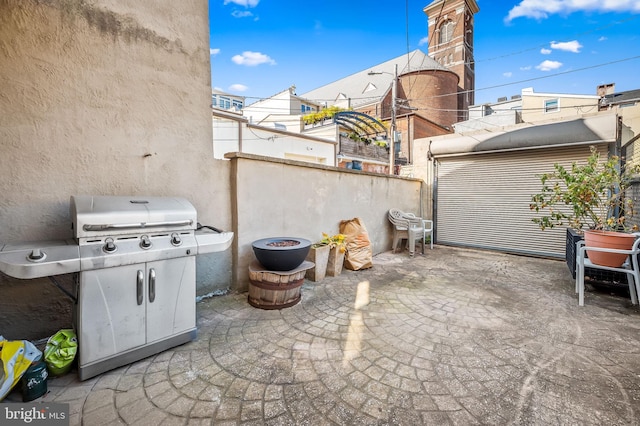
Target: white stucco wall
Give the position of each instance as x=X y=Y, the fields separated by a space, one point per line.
x=234 y=134
x=280 y=103
x=504 y=118
x=101 y=97
x=570 y=106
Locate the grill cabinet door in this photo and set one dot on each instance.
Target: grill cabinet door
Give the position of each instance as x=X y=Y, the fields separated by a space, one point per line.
x=171 y=306
x=110 y=320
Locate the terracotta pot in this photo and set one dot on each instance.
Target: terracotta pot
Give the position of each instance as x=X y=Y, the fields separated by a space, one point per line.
x=608 y=239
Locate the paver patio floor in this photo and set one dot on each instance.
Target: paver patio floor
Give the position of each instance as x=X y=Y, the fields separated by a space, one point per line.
x=456 y=336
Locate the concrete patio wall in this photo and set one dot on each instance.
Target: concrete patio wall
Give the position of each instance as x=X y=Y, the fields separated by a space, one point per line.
x=278 y=198
x=101 y=97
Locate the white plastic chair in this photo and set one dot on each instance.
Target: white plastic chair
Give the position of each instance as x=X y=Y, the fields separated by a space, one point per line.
x=630 y=267
x=428 y=231
x=406 y=226
x=427 y=226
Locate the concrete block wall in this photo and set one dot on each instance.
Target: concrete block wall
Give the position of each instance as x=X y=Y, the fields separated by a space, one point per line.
x=280 y=198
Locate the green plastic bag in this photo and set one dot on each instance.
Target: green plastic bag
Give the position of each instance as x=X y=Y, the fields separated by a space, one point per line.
x=60 y=352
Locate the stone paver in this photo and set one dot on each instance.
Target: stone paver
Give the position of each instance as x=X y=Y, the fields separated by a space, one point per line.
x=455 y=336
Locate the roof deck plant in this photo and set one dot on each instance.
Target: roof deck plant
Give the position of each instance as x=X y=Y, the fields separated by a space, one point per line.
x=324 y=114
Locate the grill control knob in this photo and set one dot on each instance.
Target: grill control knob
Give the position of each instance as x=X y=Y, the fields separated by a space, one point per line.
x=145 y=242
x=109 y=245
x=36 y=255
x=175 y=239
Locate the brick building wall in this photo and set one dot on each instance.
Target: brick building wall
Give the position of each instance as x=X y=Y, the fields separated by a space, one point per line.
x=433 y=93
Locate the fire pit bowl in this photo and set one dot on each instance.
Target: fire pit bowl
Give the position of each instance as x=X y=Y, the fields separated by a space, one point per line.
x=281 y=253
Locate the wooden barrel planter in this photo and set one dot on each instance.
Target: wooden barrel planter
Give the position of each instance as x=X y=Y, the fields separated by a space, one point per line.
x=276 y=289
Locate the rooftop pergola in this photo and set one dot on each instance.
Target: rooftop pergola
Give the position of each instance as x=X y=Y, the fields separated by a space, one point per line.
x=360 y=123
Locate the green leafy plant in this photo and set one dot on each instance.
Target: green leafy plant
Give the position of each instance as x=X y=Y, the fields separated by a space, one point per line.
x=334 y=241
x=354 y=136
x=317 y=117
x=591 y=194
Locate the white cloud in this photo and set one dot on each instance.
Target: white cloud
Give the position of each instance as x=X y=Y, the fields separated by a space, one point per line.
x=545 y=51
x=245 y=3
x=541 y=9
x=252 y=59
x=549 y=65
x=603 y=38
x=423 y=40
x=507 y=74
x=569 y=46
x=238 y=88
x=214 y=52
x=527 y=68
x=239 y=14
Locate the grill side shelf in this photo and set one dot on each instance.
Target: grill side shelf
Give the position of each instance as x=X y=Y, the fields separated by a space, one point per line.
x=39 y=260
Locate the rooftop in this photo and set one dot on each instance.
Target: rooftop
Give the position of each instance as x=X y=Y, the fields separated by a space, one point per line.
x=362 y=88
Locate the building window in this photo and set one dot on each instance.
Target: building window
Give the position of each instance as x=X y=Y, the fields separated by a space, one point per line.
x=237 y=104
x=225 y=103
x=446 y=32
x=214 y=100
x=551 y=105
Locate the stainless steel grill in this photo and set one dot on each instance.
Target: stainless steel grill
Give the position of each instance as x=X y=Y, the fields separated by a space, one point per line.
x=135 y=264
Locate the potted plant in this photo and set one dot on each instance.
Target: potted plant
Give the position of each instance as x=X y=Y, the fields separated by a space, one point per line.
x=337 y=251
x=319 y=255
x=589 y=195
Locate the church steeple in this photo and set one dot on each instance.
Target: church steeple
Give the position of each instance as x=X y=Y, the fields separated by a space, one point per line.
x=451 y=44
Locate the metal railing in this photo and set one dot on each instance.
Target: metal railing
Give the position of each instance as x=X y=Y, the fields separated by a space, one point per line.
x=351 y=148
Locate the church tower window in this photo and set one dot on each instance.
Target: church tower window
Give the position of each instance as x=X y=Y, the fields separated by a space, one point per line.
x=446 y=32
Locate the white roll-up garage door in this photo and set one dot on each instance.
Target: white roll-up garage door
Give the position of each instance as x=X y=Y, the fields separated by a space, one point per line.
x=482 y=199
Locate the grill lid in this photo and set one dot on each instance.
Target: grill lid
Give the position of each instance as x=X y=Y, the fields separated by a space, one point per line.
x=114 y=231
x=99 y=216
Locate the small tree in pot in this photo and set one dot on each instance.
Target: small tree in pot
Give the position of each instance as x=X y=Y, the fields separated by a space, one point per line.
x=589 y=195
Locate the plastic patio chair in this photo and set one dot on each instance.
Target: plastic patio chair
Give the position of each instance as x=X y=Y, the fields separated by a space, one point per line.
x=428 y=231
x=427 y=225
x=406 y=226
x=630 y=267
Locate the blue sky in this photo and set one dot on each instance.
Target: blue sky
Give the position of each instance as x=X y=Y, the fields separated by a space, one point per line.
x=262 y=47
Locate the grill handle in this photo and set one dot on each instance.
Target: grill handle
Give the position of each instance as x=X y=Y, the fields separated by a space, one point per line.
x=116 y=226
x=152 y=285
x=140 y=286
